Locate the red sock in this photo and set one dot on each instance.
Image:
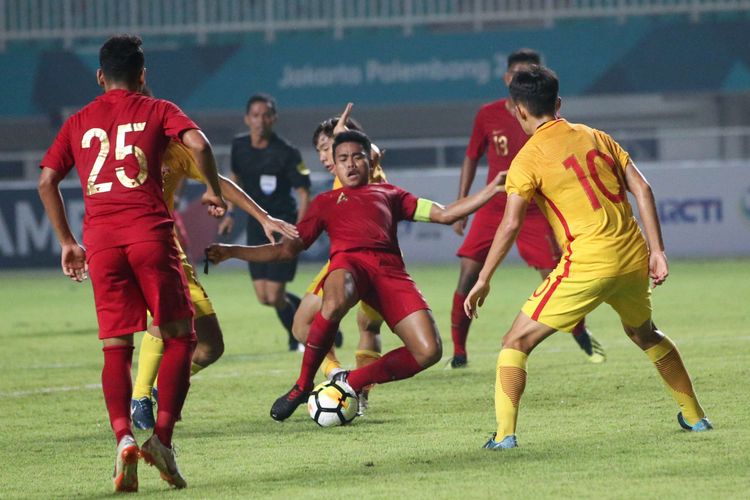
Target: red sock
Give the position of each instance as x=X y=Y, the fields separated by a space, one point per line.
x=174 y=382
x=460 y=323
x=319 y=342
x=397 y=364
x=118 y=387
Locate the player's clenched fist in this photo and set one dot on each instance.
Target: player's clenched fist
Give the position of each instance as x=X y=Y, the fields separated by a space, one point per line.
x=218 y=252
x=216 y=204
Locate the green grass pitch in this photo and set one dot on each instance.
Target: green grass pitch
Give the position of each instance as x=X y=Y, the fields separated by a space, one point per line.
x=584 y=430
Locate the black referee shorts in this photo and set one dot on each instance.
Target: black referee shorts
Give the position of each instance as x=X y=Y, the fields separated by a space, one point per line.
x=280 y=272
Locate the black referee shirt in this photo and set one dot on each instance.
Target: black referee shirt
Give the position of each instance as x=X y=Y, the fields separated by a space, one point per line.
x=268 y=175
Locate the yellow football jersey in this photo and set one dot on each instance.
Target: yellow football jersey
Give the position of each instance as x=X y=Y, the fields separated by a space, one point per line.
x=577 y=176
x=178 y=163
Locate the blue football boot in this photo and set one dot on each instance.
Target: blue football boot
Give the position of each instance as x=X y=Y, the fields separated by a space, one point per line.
x=504 y=444
x=701 y=425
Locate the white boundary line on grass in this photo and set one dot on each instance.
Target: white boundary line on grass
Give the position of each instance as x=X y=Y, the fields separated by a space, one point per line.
x=53 y=390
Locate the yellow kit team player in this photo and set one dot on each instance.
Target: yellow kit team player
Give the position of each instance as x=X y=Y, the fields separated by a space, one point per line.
x=579 y=177
x=178 y=164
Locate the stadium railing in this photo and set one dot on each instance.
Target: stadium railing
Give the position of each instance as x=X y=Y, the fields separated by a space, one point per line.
x=716 y=143
x=72 y=20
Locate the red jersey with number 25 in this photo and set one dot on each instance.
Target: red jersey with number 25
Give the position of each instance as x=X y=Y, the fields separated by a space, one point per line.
x=359 y=218
x=116 y=144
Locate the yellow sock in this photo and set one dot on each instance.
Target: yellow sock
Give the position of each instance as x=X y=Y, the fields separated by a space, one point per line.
x=330 y=363
x=149 y=359
x=365 y=357
x=195 y=368
x=509 y=385
x=668 y=362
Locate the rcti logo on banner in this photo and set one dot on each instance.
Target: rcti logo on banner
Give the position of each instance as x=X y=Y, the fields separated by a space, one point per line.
x=691 y=211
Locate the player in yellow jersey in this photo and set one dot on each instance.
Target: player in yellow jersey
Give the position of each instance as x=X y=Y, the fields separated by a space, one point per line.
x=178 y=164
x=579 y=177
x=369 y=320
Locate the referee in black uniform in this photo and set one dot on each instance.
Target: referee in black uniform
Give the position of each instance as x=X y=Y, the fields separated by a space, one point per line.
x=268 y=167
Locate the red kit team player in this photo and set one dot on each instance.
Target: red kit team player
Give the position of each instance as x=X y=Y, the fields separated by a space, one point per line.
x=497 y=134
x=361 y=221
x=116 y=143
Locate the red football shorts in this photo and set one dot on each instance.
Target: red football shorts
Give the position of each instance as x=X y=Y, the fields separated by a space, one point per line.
x=536 y=241
x=382 y=283
x=129 y=280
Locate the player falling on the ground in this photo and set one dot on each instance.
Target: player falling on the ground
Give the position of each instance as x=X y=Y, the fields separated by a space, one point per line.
x=579 y=177
x=117 y=143
x=369 y=320
x=268 y=167
x=497 y=134
x=177 y=165
x=365 y=263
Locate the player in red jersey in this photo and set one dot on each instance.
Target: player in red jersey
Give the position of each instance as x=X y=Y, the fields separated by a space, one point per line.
x=498 y=135
x=365 y=263
x=117 y=143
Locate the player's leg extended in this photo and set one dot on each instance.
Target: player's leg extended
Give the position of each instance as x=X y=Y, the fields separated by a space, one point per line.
x=422 y=349
x=510 y=376
x=460 y=323
x=340 y=295
x=666 y=358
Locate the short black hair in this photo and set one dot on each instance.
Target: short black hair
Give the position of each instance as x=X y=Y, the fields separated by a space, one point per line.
x=353 y=136
x=524 y=56
x=121 y=58
x=326 y=127
x=537 y=89
x=261 y=97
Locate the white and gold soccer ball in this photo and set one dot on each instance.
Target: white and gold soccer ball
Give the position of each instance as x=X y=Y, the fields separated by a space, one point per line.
x=332 y=403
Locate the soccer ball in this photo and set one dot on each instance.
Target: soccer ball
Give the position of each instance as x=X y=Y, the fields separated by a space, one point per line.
x=332 y=403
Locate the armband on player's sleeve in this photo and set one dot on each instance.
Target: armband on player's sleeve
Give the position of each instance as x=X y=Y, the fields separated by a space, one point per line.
x=422 y=213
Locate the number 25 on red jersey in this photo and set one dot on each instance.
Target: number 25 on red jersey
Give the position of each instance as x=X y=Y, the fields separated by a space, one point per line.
x=121 y=152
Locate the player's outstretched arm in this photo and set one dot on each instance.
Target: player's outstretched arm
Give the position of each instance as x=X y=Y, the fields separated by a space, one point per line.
x=644 y=197
x=468 y=172
x=286 y=250
x=73 y=258
x=515 y=212
x=235 y=195
x=198 y=144
x=467 y=205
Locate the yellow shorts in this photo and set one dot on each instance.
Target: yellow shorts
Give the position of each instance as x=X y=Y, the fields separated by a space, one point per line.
x=315 y=288
x=561 y=301
x=198 y=295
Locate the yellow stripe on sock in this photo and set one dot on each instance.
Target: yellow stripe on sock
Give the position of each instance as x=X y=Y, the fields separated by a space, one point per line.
x=149 y=359
x=510 y=383
x=364 y=357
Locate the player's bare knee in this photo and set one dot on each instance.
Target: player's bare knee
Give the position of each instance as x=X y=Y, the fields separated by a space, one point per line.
x=645 y=335
x=334 y=308
x=178 y=328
